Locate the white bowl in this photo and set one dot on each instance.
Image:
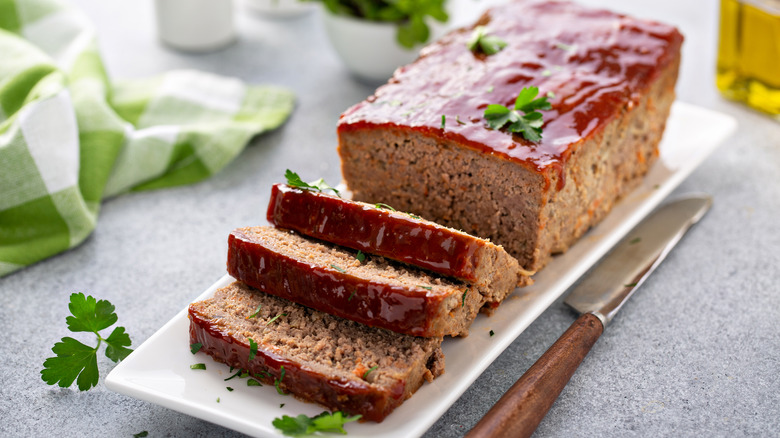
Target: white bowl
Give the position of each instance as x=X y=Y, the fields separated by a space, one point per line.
x=368 y=48
x=195 y=25
x=280 y=8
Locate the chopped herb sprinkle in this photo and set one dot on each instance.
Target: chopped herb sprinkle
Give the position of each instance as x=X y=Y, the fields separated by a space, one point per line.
x=194 y=348
x=141 y=434
x=457 y=119
x=635 y=240
x=425 y=287
x=278 y=381
x=281 y=405
x=351 y=295
x=630 y=285
x=275 y=318
x=360 y=256
x=379 y=205
x=237 y=374
x=217 y=399
x=490 y=89
x=463 y=299
x=338 y=269
x=229 y=388
x=365 y=375
x=252 y=349
x=443 y=120
x=253 y=382
x=492 y=333
x=198 y=366
x=257 y=311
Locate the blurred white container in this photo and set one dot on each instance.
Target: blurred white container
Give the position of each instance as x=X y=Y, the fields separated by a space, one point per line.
x=280 y=8
x=368 y=48
x=195 y=25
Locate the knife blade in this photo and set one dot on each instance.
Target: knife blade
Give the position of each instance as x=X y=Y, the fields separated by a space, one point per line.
x=598 y=297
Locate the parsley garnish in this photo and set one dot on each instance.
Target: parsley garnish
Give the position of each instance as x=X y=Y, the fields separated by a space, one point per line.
x=365 y=375
x=275 y=318
x=278 y=381
x=198 y=366
x=635 y=240
x=463 y=299
x=380 y=206
x=281 y=405
x=142 y=434
x=360 y=256
x=237 y=374
x=229 y=388
x=480 y=41
x=217 y=399
x=304 y=425
x=76 y=361
x=253 y=382
x=256 y=312
x=293 y=180
x=351 y=295
x=338 y=269
x=529 y=124
x=194 y=348
x=492 y=333
x=443 y=120
x=425 y=287
x=413 y=216
x=630 y=285
x=252 y=349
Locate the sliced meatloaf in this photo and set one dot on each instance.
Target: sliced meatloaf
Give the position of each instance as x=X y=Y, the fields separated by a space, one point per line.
x=329 y=278
x=337 y=363
x=381 y=230
x=421 y=142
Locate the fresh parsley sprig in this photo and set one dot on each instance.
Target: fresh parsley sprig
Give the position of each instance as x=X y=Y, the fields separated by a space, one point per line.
x=481 y=42
x=529 y=124
x=305 y=425
x=294 y=180
x=76 y=361
x=410 y=16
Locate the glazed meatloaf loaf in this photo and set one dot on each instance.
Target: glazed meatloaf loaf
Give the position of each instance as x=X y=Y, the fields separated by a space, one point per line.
x=371 y=291
x=381 y=230
x=337 y=363
x=421 y=142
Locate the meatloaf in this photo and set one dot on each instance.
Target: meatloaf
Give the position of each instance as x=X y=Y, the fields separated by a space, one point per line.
x=421 y=143
x=381 y=230
x=374 y=291
x=337 y=363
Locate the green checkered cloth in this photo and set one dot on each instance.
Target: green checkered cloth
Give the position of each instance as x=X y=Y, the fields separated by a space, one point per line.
x=69 y=137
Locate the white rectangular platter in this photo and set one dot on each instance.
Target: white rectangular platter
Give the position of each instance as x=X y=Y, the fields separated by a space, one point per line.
x=159 y=370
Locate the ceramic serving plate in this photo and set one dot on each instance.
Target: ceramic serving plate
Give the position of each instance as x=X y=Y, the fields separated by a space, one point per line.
x=159 y=370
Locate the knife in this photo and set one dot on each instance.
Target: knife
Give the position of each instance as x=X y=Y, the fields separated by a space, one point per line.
x=597 y=298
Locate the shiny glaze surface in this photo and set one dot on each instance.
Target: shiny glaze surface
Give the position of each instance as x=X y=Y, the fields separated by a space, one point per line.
x=597 y=64
x=377 y=231
x=411 y=310
x=353 y=396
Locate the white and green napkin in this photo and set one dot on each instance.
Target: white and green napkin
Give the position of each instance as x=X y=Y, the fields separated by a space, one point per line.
x=70 y=137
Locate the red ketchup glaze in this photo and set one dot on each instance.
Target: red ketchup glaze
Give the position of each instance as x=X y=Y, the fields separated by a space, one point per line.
x=350 y=396
x=403 y=310
x=383 y=232
x=596 y=63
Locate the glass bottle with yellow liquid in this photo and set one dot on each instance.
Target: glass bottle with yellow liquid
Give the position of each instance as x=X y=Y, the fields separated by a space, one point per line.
x=749 y=53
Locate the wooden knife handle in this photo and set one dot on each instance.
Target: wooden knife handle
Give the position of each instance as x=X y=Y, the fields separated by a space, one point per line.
x=522 y=408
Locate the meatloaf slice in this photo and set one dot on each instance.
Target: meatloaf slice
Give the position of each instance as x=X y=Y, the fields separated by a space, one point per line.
x=376 y=292
x=407 y=238
x=421 y=142
x=337 y=363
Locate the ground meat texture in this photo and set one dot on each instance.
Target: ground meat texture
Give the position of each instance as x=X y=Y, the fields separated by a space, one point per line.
x=325 y=358
x=377 y=292
x=612 y=81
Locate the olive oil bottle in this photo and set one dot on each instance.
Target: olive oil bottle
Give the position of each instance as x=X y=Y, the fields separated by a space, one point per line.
x=749 y=53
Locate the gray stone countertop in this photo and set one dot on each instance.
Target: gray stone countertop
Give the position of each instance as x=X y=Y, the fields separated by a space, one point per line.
x=695 y=352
